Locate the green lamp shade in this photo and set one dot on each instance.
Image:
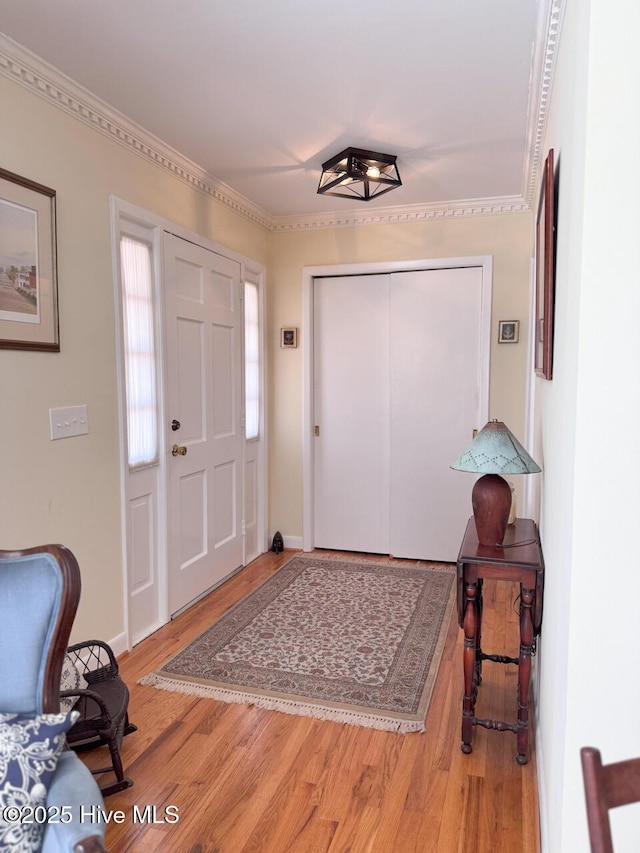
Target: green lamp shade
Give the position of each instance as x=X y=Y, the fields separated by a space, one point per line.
x=495 y=450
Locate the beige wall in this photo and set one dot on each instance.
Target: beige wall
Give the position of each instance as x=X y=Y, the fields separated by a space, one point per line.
x=507 y=238
x=68 y=491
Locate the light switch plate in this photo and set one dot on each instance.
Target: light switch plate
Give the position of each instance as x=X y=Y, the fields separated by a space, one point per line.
x=68 y=421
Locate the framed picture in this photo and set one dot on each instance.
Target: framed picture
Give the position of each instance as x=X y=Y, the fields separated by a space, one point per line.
x=545 y=272
x=289 y=337
x=508 y=331
x=28 y=278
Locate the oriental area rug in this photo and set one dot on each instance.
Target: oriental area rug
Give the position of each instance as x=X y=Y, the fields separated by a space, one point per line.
x=351 y=640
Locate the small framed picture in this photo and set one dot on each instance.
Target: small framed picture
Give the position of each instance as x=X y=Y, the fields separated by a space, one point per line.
x=289 y=338
x=508 y=331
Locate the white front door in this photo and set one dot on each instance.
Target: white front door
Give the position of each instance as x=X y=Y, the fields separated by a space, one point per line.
x=397 y=375
x=203 y=320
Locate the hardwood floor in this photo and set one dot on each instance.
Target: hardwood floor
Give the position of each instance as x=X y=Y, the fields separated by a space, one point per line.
x=245 y=780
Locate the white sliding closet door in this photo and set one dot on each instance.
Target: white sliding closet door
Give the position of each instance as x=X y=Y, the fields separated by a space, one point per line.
x=351 y=376
x=435 y=346
x=397 y=373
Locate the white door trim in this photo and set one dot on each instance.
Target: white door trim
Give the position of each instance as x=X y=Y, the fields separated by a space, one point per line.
x=124 y=215
x=121 y=209
x=309 y=274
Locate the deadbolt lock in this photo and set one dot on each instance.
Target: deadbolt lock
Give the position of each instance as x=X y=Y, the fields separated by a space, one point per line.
x=177 y=450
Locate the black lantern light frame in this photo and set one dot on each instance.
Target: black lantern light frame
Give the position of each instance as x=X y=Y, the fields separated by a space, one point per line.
x=359 y=173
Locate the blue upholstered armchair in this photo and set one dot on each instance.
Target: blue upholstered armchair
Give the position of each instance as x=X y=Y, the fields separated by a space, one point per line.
x=49 y=801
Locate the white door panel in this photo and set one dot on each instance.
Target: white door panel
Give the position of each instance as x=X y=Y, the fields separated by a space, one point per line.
x=251 y=483
x=204 y=360
x=435 y=348
x=189 y=368
x=142 y=553
x=351 y=410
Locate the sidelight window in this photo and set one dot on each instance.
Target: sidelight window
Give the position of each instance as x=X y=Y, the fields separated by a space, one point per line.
x=139 y=351
x=252 y=360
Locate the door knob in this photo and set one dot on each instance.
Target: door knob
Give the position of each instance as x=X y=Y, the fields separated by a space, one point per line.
x=176 y=450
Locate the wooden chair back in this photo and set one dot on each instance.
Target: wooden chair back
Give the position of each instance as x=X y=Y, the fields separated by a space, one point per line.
x=607 y=786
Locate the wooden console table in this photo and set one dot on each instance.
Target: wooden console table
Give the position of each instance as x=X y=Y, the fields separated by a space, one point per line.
x=519 y=559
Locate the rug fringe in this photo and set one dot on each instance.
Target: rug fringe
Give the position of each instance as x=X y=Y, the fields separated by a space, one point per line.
x=300 y=709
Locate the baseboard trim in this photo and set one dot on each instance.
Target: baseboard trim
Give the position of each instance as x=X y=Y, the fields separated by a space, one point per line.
x=542 y=795
x=120 y=644
x=540 y=774
x=293 y=542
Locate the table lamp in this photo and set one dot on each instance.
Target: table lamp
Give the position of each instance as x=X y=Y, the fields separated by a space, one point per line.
x=494 y=451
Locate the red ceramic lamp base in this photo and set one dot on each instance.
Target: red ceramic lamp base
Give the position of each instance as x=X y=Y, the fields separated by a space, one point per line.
x=491 y=501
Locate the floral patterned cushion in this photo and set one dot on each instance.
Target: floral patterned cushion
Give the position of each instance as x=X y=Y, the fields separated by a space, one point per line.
x=72 y=679
x=29 y=749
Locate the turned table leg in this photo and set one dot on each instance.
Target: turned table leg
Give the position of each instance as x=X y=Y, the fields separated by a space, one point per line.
x=470 y=664
x=524 y=674
x=479 y=606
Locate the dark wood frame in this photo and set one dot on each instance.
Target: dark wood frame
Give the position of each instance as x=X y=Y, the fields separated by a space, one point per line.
x=46 y=337
x=607 y=786
x=516 y=331
x=293 y=332
x=545 y=272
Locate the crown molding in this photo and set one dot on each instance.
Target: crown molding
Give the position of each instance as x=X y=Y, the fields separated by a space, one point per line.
x=395 y=215
x=550 y=15
x=23 y=67
x=33 y=73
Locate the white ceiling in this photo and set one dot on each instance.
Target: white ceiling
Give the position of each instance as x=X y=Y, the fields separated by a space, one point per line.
x=260 y=92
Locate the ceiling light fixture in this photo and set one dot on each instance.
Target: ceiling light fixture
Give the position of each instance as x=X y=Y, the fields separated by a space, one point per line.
x=358 y=173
